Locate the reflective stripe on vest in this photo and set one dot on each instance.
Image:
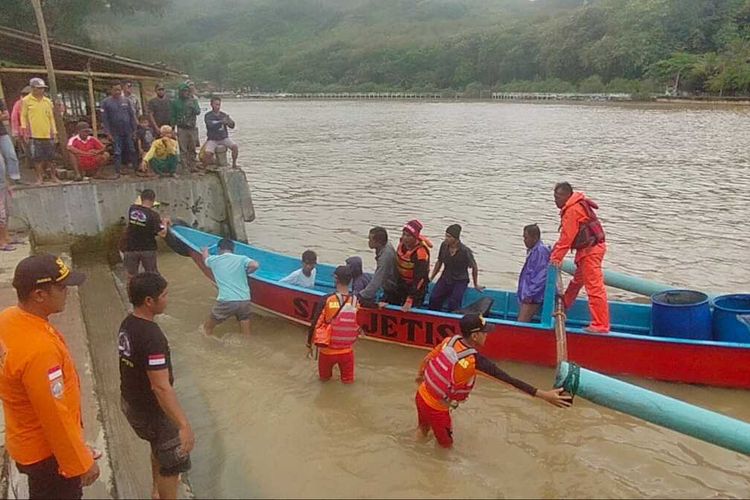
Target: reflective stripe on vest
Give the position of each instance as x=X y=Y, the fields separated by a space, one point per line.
x=344 y=327
x=404 y=263
x=438 y=374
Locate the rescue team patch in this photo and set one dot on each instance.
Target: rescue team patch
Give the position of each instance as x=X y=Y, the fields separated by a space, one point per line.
x=56 y=386
x=157 y=360
x=54 y=372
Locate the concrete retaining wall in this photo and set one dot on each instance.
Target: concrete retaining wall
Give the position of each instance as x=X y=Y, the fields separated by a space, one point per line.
x=215 y=202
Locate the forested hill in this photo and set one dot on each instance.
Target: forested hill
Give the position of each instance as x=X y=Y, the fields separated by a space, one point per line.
x=556 y=45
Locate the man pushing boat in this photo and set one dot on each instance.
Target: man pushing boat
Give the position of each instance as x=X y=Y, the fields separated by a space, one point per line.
x=447 y=375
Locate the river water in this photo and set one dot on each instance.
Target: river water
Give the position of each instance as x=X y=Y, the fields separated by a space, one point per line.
x=673 y=187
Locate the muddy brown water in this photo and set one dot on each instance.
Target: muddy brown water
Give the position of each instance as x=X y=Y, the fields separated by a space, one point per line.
x=673 y=187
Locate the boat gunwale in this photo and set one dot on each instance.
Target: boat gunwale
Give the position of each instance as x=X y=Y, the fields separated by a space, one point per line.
x=542 y=326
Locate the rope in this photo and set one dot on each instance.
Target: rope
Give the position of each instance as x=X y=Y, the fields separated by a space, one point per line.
x=560 y=317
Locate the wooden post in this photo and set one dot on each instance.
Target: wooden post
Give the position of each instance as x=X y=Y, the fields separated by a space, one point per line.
x=61 y=132
x=92 y=104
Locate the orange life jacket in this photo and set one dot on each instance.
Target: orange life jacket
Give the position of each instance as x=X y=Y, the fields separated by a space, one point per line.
x=590 y=232
x=338 y=328
x=405 y=258
x=440 y=372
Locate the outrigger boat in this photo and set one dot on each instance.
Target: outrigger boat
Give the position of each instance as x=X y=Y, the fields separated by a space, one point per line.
x=630 y=348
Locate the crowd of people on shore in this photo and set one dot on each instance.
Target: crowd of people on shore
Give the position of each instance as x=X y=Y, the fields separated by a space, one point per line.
x=146 y=140
x=39 y=383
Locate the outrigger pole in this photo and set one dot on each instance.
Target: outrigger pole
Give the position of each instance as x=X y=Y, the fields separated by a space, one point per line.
x=638 y=402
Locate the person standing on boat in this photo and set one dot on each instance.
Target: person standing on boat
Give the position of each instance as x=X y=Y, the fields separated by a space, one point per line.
x=581 y=230
x=412 y=266
x=457 y=258
x=447 y=375
x=385 y=269
x=533 y=278
x=334 y=329
x=230 y=273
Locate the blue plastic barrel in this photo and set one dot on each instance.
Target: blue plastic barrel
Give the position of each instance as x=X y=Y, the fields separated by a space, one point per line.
x=682 y=314
x=728 y=327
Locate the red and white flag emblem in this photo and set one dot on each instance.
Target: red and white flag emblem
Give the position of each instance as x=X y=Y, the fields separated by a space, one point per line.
x=157 y=359
x=54 y=372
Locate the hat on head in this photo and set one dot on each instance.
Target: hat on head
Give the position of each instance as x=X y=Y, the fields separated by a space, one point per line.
x=454 y=230
x=473 y=323
x=45 y=269
x=26 y=90
x=81 y=126
x=413 y=227
x=37 y=83
x=343 y=273
x=159 y=86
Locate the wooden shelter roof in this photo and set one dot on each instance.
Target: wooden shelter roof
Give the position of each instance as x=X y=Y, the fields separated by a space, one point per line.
x=25 y=49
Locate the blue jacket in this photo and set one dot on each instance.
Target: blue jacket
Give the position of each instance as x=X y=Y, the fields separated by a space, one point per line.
x=533 y=278
x=118 y=116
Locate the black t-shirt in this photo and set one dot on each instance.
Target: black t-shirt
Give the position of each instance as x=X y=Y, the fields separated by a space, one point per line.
x=161 y=109
x=143 y=226
x=143 y=347
x=216 y=129
x=456 y=266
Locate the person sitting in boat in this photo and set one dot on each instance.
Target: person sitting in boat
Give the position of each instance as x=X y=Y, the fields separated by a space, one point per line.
x=412 y=266
x=581 y=230
x=304 y=276
x=334 y=329
x=230 y=272
x=533 y=278
x=457 y=258
x=385 y=268
x=448 y=373
x=360 y=279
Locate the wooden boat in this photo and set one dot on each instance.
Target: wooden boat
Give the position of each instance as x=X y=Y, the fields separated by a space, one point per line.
x=629 y=349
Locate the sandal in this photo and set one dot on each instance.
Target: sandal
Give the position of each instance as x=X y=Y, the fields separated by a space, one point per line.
x=7 y=248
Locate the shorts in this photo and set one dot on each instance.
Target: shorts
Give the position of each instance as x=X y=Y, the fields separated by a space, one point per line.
x=211 y=145
x=45 y=480
x=222 y=311
x=4 y=206
x=90 y=163
x=163 y=436
x=42 y=149
x=437 y=420
x=133 y=260
x=326 y=362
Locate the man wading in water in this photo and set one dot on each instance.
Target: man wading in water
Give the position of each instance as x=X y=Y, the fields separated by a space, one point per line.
x=447 y=375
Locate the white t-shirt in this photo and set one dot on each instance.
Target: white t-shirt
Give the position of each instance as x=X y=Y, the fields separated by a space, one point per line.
x=298 y=278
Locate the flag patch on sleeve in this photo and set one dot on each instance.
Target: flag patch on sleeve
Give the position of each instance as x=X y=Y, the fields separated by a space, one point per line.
x=54 y=372
x=157 y=359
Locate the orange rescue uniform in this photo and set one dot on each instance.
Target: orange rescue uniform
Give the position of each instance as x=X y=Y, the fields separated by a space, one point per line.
x=327 y=356
x=41 y=394
x=588 y=263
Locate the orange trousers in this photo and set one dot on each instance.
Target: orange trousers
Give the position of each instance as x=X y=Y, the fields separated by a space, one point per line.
x=589 y=274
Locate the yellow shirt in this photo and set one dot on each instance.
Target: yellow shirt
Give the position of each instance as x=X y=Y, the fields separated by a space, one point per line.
x=38 y=118
x=161 y=149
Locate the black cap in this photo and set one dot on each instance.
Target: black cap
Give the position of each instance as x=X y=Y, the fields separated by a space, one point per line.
x=43 y=269
x=343 y=273
x=473 y=323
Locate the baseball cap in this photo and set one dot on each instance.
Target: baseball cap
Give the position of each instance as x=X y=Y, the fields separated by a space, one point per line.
x=37 y=83
x=26 y=90
x=81 y=126
x=473 y=323
x=45 y=269
x=343 y=273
